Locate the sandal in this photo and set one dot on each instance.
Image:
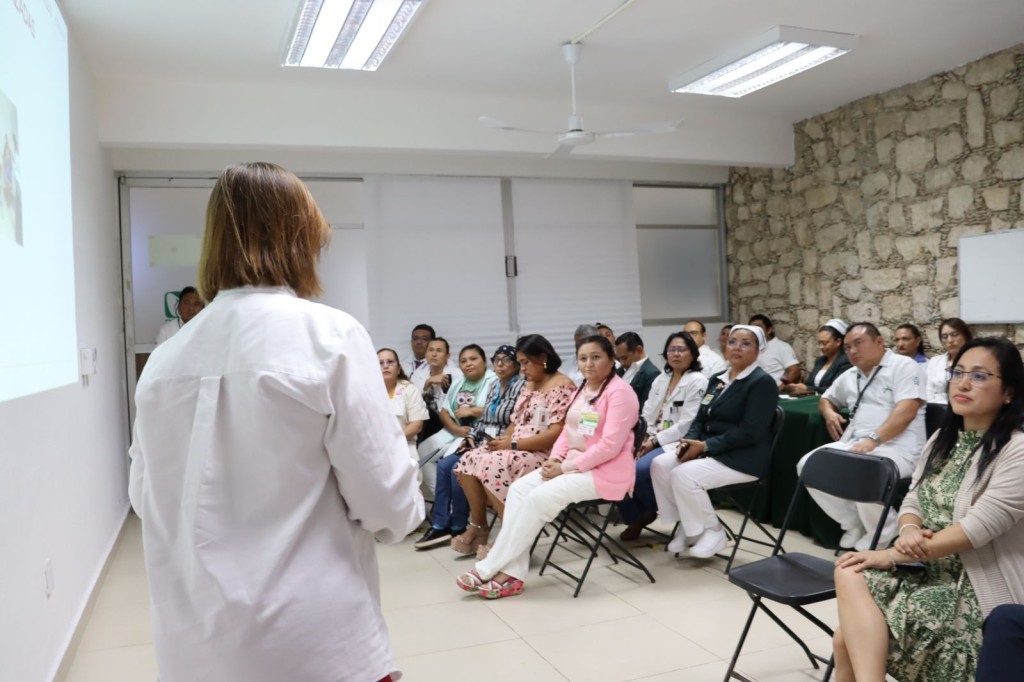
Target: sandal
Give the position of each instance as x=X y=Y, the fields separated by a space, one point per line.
x=492 y=589
x=468 y=545
x=470 y=581
x=482 y=551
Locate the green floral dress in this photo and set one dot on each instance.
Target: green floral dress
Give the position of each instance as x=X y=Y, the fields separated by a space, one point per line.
x=933 y=615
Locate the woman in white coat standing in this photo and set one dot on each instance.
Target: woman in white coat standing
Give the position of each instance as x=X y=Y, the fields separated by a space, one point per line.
x=266 y=460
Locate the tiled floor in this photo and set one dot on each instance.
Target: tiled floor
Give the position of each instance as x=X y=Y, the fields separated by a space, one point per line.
x=684 y=627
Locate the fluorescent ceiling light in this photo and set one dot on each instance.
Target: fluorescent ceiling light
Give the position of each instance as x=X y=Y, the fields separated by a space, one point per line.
x=348 y=34
x=779 y=53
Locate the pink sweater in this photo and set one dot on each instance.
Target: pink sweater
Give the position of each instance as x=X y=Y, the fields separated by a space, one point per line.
x=609 y=452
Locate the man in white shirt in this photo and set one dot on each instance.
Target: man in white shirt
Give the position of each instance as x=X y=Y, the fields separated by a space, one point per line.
x=778 y=358
x=885 y=398
x=639 y=372
x=711 y=363
x=422 y=335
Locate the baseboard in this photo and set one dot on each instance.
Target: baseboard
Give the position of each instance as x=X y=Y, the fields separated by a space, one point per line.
x=83 y=618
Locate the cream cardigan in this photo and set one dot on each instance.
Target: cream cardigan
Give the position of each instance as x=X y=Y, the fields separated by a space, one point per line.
x=989 y=511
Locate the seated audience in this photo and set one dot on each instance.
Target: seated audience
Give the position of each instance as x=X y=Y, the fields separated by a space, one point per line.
x=778 y=358
x=451 y=509
x=954 y=334
x=592 y=459
x=1002 y=648
x=830 y=364
x=639 y=371
x=406 y=402
x=422 y=334
x=582 y=332
x=458 y=412
x=436 y=376
x=486 y=472
x=908 y=341
x=884 y=396
x=710 y=361
x=723 y=339
x=669 y=410
x=915 y=611
x=728 y=442
x=189 y=305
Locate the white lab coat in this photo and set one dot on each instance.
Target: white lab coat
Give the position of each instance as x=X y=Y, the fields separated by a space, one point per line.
x=265 y=461
x=669 y=416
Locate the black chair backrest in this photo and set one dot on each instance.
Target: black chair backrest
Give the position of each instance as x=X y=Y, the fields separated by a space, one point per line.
x=851 y=476
x=778 y=421
x=934 y=414
x=639 y=433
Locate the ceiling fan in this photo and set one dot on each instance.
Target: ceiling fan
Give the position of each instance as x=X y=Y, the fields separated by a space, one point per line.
x=575 y=135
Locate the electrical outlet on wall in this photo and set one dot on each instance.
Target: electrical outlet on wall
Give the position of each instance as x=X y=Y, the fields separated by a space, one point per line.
x=48 y=577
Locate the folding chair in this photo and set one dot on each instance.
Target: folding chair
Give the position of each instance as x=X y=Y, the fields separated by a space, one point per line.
x=574 y=524
x=757 y=486
x=796 y=579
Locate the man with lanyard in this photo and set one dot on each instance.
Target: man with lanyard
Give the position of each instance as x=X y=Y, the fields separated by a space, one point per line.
x=885 y=397
x=711 y=363
x=422 y=335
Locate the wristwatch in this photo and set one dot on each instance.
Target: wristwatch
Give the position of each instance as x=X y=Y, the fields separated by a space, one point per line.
x=515 y=445
x=875 y=437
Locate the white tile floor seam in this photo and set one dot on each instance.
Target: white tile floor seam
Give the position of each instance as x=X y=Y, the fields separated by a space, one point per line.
x=621 y=628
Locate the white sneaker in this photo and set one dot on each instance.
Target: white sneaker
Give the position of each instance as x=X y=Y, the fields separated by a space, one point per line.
x=678 y=544
x=852 y=537
x=710 y=543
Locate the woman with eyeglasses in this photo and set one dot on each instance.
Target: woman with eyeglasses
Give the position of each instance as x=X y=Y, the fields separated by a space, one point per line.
x=405 y=400
x=954 y=335
x=728 y=442
x=915 y=611
x=486 y=472
x=592 y=459
x=669 y=410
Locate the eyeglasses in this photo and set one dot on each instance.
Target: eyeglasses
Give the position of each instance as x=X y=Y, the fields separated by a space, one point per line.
x=677 y=350
x=977 y=376
x=388 y=363
x=497 y=362
x=421 y=338
x=744 y=345
x=950 y=335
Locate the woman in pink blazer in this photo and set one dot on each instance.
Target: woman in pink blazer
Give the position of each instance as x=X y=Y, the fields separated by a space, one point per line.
x=592 y=458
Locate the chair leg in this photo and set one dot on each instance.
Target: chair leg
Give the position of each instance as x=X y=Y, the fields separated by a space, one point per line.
x=559 y=531
x=731 y=672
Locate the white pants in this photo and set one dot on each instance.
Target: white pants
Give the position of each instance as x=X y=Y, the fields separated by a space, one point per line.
x=852 y=515
x=682 y=490
x=531 y=503
x=440 y=445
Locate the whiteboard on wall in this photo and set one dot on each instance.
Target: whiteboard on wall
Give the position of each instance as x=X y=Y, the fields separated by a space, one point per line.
x=992 y=277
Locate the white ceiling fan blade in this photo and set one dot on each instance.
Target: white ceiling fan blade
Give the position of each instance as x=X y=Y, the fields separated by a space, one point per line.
x=642 y=129
x=489 y=122
x=561 y=150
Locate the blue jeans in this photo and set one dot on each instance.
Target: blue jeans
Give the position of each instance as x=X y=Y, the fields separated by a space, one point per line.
x=451 y=508
x=1003 y=649
x=642 y=503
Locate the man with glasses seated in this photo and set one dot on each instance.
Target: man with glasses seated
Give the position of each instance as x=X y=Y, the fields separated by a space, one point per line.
x=884 y=396
x=422 y=335
x=710 y=361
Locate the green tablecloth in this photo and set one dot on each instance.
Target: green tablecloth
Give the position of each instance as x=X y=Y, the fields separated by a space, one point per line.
x=803 y=431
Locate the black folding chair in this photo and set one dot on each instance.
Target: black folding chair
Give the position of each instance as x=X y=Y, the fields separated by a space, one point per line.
x=934 y=414
x=729 y=491
x=796 y=579
x=574 y=524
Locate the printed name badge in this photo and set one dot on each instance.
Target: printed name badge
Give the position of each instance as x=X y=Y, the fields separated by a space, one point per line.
x=666 y=425
x=708 y=397
x=397 y=406
x=541 y=417
x=588 y=423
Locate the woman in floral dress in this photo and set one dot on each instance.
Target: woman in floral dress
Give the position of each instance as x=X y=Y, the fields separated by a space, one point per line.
x=916 y=610
x=485 y=473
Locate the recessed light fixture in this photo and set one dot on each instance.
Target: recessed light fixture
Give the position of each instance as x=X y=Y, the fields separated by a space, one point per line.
x=348 y=34
x=782 y=52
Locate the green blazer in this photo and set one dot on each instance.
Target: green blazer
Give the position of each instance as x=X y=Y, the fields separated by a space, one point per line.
x=736 y=425
x=642 y=380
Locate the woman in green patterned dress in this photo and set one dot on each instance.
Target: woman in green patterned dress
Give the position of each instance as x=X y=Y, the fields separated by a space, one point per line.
x=917 y=611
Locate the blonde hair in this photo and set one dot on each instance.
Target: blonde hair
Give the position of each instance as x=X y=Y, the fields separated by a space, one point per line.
x=263 y=228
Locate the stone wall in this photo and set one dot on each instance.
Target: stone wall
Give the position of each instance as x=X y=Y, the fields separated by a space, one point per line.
x=865 y=224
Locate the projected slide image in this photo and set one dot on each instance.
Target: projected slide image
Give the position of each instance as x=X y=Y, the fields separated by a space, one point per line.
x=11 y=224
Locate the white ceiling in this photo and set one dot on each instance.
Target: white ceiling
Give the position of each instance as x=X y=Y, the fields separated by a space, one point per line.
x=206 y=73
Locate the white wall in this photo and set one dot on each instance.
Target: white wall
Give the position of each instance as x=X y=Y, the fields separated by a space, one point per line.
x=63 y=470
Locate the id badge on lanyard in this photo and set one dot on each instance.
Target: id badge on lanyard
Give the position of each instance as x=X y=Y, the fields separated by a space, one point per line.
x=588 y=423
x=541 y=417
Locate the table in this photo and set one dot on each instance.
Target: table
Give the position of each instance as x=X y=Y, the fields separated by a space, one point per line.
x=803 y=430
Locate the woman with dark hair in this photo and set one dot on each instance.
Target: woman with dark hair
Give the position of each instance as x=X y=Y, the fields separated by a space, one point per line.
x=485 y=473
x=266 y=462
x=954 y=335
x=406 y=402
x=189 y=305
x=907 y=340
x=592 y=459
x=728 y=442
x=830 y=364
x=917 y=611
x=669 y=410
